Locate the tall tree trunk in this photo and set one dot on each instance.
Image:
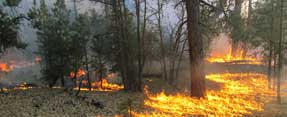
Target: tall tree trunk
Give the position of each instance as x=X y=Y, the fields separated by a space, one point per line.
x=236 y=30
x=143 y=36
x=137 y=2
x=247 y=30
x=274 y=68
x=269 y=65
x=87 y=69
x=127 y=58
x=101 y=71
x=269 y=72
x=196 y=53
x=280 y=54
x=164 y=68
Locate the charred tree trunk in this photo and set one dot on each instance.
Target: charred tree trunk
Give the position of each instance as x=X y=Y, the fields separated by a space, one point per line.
x=88 y=70
x=143 y=36
x=196 y=52
x=269 y=65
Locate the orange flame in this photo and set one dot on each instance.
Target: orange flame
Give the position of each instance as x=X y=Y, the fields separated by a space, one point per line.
x=106 y=86
x=80 y=73
x=237 y=97
x=5 y=67
x=216 y=57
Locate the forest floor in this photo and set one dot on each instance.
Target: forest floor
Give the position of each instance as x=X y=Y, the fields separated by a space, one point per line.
x=56 y=102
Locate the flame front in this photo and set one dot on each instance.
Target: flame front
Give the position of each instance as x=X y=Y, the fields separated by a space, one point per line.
x=240 y=95
x=216 y=57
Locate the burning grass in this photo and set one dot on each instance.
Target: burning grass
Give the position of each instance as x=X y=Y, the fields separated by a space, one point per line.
x=103 y=85
x=241 y=95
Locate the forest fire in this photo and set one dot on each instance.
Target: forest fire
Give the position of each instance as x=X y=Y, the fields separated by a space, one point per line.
x=107 y=86
x=221 y=52
x=103 y=85
x=96 y=86
x=5 y=67
x=216 y=57
x=79 y=73
x=241 y=95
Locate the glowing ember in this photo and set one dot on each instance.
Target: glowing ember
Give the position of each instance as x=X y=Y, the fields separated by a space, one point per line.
x=80 y=73
x=240 y=95
x=5 y=67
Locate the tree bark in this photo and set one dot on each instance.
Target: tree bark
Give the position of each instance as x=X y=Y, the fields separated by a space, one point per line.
x=274 y=69
x=137 y=2
x=127 y=59
x=88 y=70
x=280 y=54
x=164 y=69
x=269 y=65
x=196 y=53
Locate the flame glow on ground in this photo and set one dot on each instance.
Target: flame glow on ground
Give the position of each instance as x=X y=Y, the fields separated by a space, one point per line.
x=241 y=94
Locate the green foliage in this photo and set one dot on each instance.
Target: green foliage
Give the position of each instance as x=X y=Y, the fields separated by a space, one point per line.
x=237 y=33
x=79 y=36
x=265 y=25
x=12 y=3
x=62 y=42
x=9 y=32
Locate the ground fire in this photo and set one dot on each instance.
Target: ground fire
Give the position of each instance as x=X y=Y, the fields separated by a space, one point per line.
x=237 y=97
x=143 y=58
x=102 y=85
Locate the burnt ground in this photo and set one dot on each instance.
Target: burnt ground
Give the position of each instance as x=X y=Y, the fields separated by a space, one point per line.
x=57 y=102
